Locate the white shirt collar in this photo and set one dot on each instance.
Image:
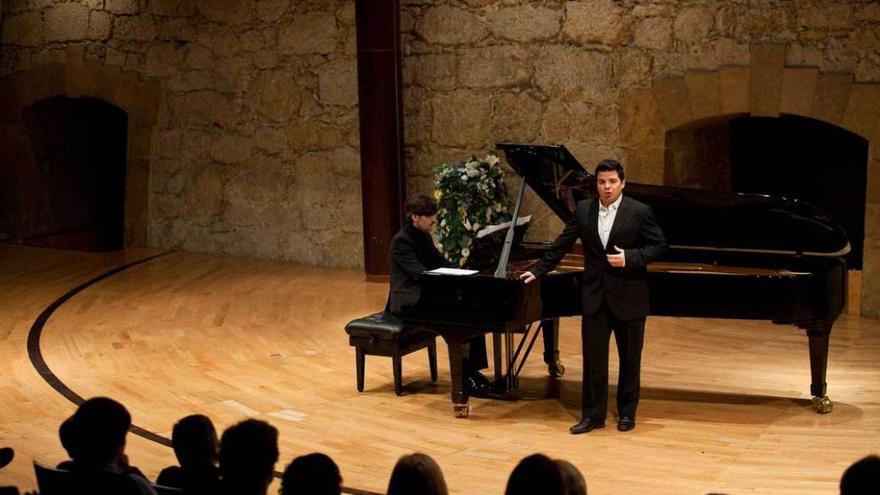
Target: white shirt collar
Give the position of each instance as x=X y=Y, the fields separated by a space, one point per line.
x=613 y=206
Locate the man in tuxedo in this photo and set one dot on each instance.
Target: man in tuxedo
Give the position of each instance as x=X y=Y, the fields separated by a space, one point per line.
x=620 y=236
x=412 y=252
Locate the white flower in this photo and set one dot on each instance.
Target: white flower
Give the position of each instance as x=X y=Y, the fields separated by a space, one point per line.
x=492 y=159
x=465 y=252
x=464 y=177
x=472 y=172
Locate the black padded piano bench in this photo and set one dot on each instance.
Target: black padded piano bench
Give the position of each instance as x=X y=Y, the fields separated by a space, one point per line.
x=380 y=336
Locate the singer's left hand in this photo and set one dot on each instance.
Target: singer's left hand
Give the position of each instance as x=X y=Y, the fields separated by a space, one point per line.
x=617 y=260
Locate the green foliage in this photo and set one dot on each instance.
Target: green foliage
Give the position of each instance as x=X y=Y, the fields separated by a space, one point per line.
x=470 y=196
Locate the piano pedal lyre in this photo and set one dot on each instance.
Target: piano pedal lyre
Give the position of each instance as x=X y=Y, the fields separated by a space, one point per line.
x=462 y=410
x=822 y=405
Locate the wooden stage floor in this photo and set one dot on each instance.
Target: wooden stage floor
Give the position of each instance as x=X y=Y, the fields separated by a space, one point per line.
x=725 y=403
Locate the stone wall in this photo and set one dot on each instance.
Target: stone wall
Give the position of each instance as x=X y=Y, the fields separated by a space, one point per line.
x=609 y=78
x=255 y=147
x=478 y=72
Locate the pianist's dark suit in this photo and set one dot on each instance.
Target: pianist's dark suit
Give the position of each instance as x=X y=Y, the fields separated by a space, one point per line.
x=612 y=298
x=411 y=253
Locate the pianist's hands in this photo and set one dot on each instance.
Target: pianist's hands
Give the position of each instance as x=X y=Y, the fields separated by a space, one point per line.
x=619 y=259
x=529 y=277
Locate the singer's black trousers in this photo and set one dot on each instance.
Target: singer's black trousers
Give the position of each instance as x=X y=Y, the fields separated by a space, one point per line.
x=595 y=337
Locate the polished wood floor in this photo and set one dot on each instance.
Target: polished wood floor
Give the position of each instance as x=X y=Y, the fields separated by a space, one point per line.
x=725 y=403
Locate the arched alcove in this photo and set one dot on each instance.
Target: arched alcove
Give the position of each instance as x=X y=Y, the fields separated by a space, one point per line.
x=79 y=82
x=766 y=88
x=789 y=155
x=70 y=193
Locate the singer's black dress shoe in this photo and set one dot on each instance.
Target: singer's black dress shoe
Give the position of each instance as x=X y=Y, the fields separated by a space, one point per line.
x=626 y=423
x=6 y=455
x=586 y=426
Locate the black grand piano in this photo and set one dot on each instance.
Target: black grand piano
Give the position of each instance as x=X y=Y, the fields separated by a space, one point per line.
x=731 y=255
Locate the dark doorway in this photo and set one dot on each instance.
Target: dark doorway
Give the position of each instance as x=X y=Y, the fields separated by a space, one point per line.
x=72 y=193
x=790 y=156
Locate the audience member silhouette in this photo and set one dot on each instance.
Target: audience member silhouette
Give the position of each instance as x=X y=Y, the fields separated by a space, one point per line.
x=312 y=474
x=574 y=481
x=95 y=439
x=248 y=453
x=66 y=435
x=536 y=473
x=417 y=474
x=197 y=449
x=6 y=456
x=861 y=478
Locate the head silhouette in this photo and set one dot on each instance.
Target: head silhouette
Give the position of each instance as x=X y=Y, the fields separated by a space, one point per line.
x=861 y=478
x=417 y=473
x=195 y=443
x=536 y=473
x=312 y=474
x=574 y=481
x=248 y=453
x=68 y=435
x=96 y=433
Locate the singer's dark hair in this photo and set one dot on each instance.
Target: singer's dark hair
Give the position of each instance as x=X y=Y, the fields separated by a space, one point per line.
x=611 y=166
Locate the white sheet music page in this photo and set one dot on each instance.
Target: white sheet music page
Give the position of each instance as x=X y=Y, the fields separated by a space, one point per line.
x=453 y=271
x=491 y=229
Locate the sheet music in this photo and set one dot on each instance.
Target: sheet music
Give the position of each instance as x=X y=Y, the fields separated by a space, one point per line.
x=453 y=271
x=501 y=226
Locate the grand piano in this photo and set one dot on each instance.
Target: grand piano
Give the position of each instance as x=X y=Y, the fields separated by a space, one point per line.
x=731 y=255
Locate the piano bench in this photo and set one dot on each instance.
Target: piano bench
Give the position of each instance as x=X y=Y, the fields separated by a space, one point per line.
x=377 y=335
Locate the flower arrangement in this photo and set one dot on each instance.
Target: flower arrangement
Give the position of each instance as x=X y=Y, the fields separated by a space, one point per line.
x=470 y=196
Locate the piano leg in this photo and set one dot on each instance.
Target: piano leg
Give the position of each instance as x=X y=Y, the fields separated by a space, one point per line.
x=550 y=330
x=460 y=405
x=511 y=383
x=497 y=357
x=818 y=335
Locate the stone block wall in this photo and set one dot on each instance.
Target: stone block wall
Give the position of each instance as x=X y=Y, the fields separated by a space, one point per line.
x=479 y=72
x=254 y=150
x=254 y=147
x=610 y=78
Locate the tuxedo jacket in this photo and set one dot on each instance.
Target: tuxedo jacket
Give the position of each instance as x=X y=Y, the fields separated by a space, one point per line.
x=636 y=232
x=411 y=253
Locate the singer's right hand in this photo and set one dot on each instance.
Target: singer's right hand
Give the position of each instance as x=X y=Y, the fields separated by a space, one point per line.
x=528 y=277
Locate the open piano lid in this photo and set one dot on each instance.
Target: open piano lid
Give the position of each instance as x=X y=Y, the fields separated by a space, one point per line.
x=690 y=218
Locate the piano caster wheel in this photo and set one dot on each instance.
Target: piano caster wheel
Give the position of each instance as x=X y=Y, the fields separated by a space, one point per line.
x=556 y=369
x=462 y=410
x=822 y=405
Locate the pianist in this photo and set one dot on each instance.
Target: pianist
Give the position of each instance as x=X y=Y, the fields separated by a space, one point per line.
x=412 y=252
x=620 y=236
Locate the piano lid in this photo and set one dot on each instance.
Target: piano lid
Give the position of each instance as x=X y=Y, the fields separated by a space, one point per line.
x=691 y=218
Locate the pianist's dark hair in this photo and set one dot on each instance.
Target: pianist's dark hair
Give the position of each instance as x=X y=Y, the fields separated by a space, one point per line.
x=420 y=205
x=610 y=166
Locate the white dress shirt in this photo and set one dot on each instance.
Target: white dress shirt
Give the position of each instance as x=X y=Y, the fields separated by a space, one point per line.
x=606 y=219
